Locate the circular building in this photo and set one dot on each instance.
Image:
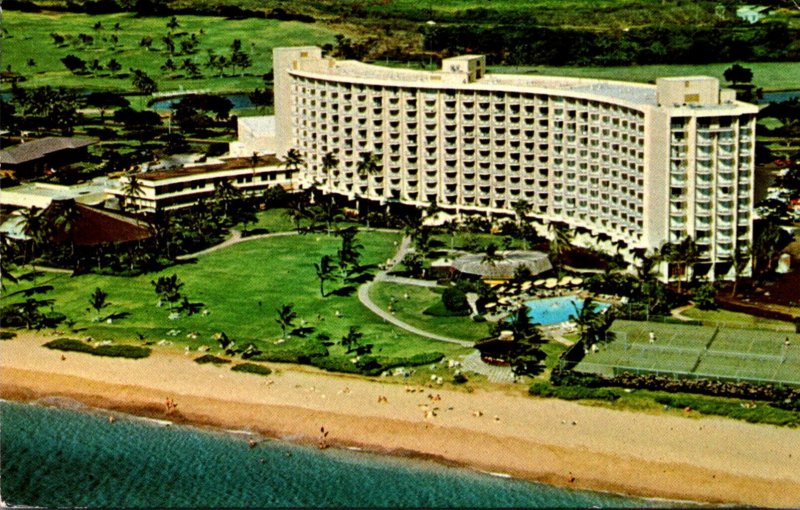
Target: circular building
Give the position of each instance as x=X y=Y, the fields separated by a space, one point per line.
x=475 y=264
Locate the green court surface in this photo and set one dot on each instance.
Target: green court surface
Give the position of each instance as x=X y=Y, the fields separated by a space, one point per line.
x=698 y=352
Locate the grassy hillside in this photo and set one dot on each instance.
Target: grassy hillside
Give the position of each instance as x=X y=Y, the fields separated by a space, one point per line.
x=28 y=36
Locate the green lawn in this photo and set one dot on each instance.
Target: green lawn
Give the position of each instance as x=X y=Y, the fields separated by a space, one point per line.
x=240 y=286
x=278 y=220
x=28 y=36
x=736 y=319
x=420 y=298
x=768 y=75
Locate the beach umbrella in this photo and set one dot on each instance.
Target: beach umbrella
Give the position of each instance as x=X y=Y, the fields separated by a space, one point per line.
x=550 y=283
x=491 y=305
x=539 y=282
x=526 y=285
x=564 y=281
x=577 y=281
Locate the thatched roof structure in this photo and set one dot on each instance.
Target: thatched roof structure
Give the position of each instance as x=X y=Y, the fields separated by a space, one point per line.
x=503 y=269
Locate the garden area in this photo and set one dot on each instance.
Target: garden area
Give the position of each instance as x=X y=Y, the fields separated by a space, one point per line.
x=259 y=299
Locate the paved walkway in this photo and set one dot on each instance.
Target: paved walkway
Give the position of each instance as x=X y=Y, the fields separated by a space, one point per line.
x=474 y=363
x=409 y=281
x=236 y=237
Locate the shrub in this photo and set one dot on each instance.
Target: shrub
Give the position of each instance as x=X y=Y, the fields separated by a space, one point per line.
x=438 y=309
x=572 y=392
x=115 y=351
x=293 y=351
x=251 y=368
x=460 y=378
x=705 y=297
x=208 y=358
x=335 y=364
x=7 y=335
x=455 y=300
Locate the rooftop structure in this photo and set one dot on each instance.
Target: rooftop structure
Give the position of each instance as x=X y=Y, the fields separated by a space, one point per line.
x=38 y=156
x=40 y=194
x=504 y=268
x=641 y=163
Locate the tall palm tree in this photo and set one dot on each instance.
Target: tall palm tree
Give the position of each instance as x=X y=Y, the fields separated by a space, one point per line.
x=131 y=189
x=766 y=247
x=34 y=227
x=329 y=163
x=368 y=166
x=225 y=194
x=324 y=271
x=560 y=241
x=64 y=217
x=741 y=259
x=683 y=255
x=587 y=319
x=522 y=208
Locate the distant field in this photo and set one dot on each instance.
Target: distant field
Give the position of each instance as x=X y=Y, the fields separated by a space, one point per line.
x=28 y=37
x=768 y=75
x=698 y=351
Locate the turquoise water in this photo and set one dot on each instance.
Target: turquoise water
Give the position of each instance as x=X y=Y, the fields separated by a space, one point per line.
x=557 y=310
x=58 y=457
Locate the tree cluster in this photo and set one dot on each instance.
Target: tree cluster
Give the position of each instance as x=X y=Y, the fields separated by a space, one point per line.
x=525 y=44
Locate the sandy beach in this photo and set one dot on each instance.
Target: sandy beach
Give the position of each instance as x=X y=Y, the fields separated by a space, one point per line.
x=556 y=442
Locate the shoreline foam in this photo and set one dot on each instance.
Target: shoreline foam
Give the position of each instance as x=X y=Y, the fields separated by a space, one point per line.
x=712 y=460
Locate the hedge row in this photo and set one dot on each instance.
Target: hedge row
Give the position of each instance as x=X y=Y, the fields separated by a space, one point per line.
x=317 y=355
x=779 y=396
x=542 y=389
x=115 y=351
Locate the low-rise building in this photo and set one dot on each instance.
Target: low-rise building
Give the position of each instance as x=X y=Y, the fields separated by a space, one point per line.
x=184 y=186
x=46 y=155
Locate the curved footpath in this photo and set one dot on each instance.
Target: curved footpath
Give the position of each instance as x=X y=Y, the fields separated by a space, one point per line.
x=363 y=290
x=562 y=443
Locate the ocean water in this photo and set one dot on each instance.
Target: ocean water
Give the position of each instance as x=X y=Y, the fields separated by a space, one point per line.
x=59 y=457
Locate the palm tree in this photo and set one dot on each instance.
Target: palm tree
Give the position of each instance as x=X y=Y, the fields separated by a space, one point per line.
x=350 y=252
x=64 y=218
x=98 y=301
x=324 y=271
x=560 y=242
x=490 y=255
x=525 y=354
x=294 y=160
x=741 y=259
x=225 y=194
x=329 y=163
x=131 y=189
x=766 y=247
x=683 y=255
x=587 y=320
x=522 y=208
x=368 y=165
x=286 y=317
x=33 y=227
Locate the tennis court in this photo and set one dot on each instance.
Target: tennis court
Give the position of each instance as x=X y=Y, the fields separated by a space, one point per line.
x=698 y=352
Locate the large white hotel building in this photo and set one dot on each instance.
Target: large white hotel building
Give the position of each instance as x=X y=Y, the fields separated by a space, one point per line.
x=643 y=164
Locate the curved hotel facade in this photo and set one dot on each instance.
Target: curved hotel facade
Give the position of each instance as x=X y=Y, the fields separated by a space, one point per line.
x=643 y=164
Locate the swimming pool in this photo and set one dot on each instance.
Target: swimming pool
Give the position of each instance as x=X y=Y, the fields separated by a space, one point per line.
x=558 y=309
